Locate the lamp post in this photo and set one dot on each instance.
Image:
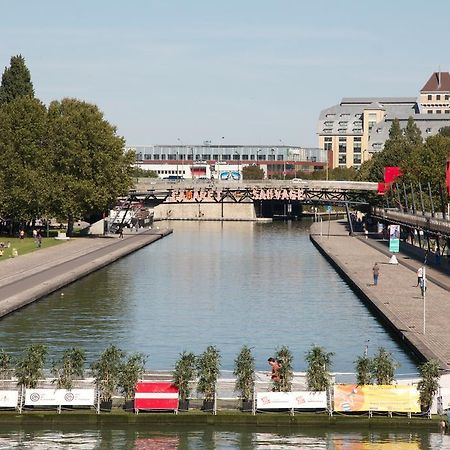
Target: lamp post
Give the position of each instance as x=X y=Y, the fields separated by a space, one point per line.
x=178 y=154
x=272 y=150
x=238 y=163
x=284 y=162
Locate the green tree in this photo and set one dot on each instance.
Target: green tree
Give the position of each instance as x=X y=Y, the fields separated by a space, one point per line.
x=383 y=367
x=25 y=160
x=285 y=357
x=444 y=131
x=412 y=133
x=16 y=81
x=244 y=370
x=90 y=164
x=69 y=367
x=208 y=370
x=429 y=384
x=5 y=365
x=363 y=365
x=130 y=373
x=183 y=374
x=252 y=172
x=319 y=364
x=29 y=367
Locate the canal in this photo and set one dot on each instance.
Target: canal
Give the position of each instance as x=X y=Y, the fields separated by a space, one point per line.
x=210 y=283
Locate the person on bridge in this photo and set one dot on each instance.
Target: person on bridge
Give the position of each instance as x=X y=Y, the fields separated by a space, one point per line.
x=419 y=276
x=376 y=273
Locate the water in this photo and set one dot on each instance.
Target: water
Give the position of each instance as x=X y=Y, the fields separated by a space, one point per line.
x=263 y=285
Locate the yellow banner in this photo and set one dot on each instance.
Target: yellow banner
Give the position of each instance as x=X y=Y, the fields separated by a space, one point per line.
x=350 y=397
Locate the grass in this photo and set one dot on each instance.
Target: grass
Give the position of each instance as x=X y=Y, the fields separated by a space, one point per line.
x=24 y=246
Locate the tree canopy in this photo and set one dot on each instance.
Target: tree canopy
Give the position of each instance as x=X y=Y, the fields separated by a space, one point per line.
x=16 y=81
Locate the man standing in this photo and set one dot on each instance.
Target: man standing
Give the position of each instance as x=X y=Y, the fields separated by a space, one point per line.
x=376 y=273
x=419 y=276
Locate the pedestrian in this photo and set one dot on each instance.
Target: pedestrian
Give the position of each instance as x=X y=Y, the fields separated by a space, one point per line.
x=39 y=240
x=376 y=273
x=366 y=232
x=121 y=233
x=423 y=286
x=35 y=235
x=419 y=276
x=276 y=366
x=21 y=234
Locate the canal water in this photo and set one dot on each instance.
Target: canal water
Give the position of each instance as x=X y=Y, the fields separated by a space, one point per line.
x=210 y=283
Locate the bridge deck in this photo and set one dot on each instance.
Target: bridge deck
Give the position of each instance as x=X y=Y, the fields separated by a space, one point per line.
x=396 y=298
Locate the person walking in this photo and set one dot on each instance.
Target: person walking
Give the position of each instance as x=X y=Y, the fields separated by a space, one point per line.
x=376 y=273
x=419 y=276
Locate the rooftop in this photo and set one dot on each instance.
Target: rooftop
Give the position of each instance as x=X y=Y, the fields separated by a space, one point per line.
x=438 y=82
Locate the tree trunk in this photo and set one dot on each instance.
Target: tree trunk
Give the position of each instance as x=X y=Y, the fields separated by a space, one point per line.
x=70 y=225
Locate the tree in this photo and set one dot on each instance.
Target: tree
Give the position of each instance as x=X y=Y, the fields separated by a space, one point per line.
x=244 y=370
x=91 y=167
x=5 y=365
x=383 y=367
x=16 y=81
x=429 y=384
x=183 y=374
x=130 y=373
x=70 y=365
x=29 y=368
x=208 y=370
x=412 y=133
x=444 y=131
x=285 y=357
x=252 y=172
x=363 y=370
x=319 y=364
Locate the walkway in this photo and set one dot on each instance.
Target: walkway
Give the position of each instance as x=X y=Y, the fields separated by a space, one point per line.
x=29 y=277
x=396 y=298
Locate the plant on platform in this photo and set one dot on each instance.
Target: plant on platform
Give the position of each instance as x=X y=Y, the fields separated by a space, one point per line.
x=106 y=372
x=29 y=367
x=244 y=370
x=284 y=357
x=363 y=366
x=69 y=368
x=182 y=375
x=208 y=369
x=383 y=367
x=5 y=365
x=318 y=376
x=130 y=373
x=429 y=384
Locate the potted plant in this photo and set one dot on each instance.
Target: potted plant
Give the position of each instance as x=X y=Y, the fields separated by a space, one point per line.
x=106 y=375
x=5 y=365
x=182 y=375
x=130 y=373
x=208 y=369
x=383 y=367
x=69 y=368
x=429 y=384
x=363 y=366
x=318 y=373
x=29 y=368
x=244 y=370
x=284 y=358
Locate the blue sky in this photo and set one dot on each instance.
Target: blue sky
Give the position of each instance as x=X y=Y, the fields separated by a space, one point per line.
x=250 y=71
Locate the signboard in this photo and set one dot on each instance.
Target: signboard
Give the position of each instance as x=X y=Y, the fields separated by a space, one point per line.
x=60 y=397
x=8 y=399
x=289 y=400
x=397 y=398
x=151 y=395
x=394 y=238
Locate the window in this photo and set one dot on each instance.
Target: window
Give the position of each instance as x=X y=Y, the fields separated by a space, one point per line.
x=357 y=130
x=147 y=156
x=357 y=148
x=236 y=157
x=447 y=97
x=438 y=97
x=438 y=111
x=377 y=145
x=327 y=130
x=280 y=157
x=245 y=157
x=216 y=157
x=371 y=124
x=429 y=111
x=342 y=130
x=343 y=122
x=328 y=123
x=357 y=158
x=252 y=157
x=206 y=157
x=342 y=158
x=447 y=111
x=357 y=122
x=163 y=156
x=342 y=145
x=328 y=143
x=171 y=157
x=428 y=130
x=226 y=157
x=345 y=115
x=430 y=97
x=328 y=116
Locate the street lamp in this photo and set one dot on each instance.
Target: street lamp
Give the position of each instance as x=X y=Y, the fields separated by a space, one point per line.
x=272 y=150
x=239 y=163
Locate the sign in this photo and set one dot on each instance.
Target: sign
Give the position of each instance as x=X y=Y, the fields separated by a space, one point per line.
x=9 y=399
x=289 y=400
x=151 y=395
x=398 y=398
x=60 y=397
x=394 y=238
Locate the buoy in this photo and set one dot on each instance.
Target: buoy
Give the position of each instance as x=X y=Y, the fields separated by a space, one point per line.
x=393 y=260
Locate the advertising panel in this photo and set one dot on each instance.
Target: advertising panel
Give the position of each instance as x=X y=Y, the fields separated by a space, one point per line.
x=396 y=398
x=57 y=397
x=394 y=238
x=8 y=399
x=156 y=395
x=289 y=400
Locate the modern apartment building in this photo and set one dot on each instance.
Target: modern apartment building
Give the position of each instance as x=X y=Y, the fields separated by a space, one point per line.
x=358 y=127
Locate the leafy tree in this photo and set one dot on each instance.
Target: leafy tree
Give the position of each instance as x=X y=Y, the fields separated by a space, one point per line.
x=29 y=368
x=412 y=133
x=16 y=81
x=130 y=373
x=252 y=172
x=5 y=365
x=429 y=384
x=142 y=173
x=91 y=167
x=244 y=370
x=70 y=365
x=285 y=357
x=183 y=374
x=383 y=367
x=24 y=160
x=319 y=364
x=445 y=131
x=208 y=370
x=363 y=370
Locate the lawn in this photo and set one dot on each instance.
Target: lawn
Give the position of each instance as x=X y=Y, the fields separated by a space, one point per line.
x=26 y=245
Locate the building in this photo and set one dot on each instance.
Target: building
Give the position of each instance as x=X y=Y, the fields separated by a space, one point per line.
x=353 y=130
x=226 y=161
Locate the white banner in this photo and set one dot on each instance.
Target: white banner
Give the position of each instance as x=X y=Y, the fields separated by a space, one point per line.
x=289 y=400
x=8 y=399
x=56 y=397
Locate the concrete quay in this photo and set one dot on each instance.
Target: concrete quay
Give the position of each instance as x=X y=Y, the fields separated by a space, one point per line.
x=30 y=277
x=396 y=300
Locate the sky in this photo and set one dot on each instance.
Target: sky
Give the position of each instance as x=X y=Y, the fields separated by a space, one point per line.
x=230 y=71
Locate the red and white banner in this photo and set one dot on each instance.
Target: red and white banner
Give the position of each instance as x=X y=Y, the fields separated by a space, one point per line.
x=60 y=397
x=156 y=395
x=8 y=399
x=289 y=400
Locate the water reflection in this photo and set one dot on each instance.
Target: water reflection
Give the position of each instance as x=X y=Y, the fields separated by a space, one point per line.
x=228 y=284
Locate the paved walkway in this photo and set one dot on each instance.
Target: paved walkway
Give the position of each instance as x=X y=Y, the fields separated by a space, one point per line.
x=29 y=277
x=396 y=297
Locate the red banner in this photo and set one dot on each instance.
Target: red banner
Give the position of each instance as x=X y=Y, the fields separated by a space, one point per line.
x=151 y=395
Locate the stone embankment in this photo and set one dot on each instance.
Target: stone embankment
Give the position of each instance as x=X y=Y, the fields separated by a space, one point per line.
x=396 y=300
x=35 y=275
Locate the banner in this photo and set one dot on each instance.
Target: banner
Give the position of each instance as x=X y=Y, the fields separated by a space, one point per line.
x=8 y=399
x=397 y=398
x=394 y=238
x=156 y=395
x=289 y=400
x=57 y=397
